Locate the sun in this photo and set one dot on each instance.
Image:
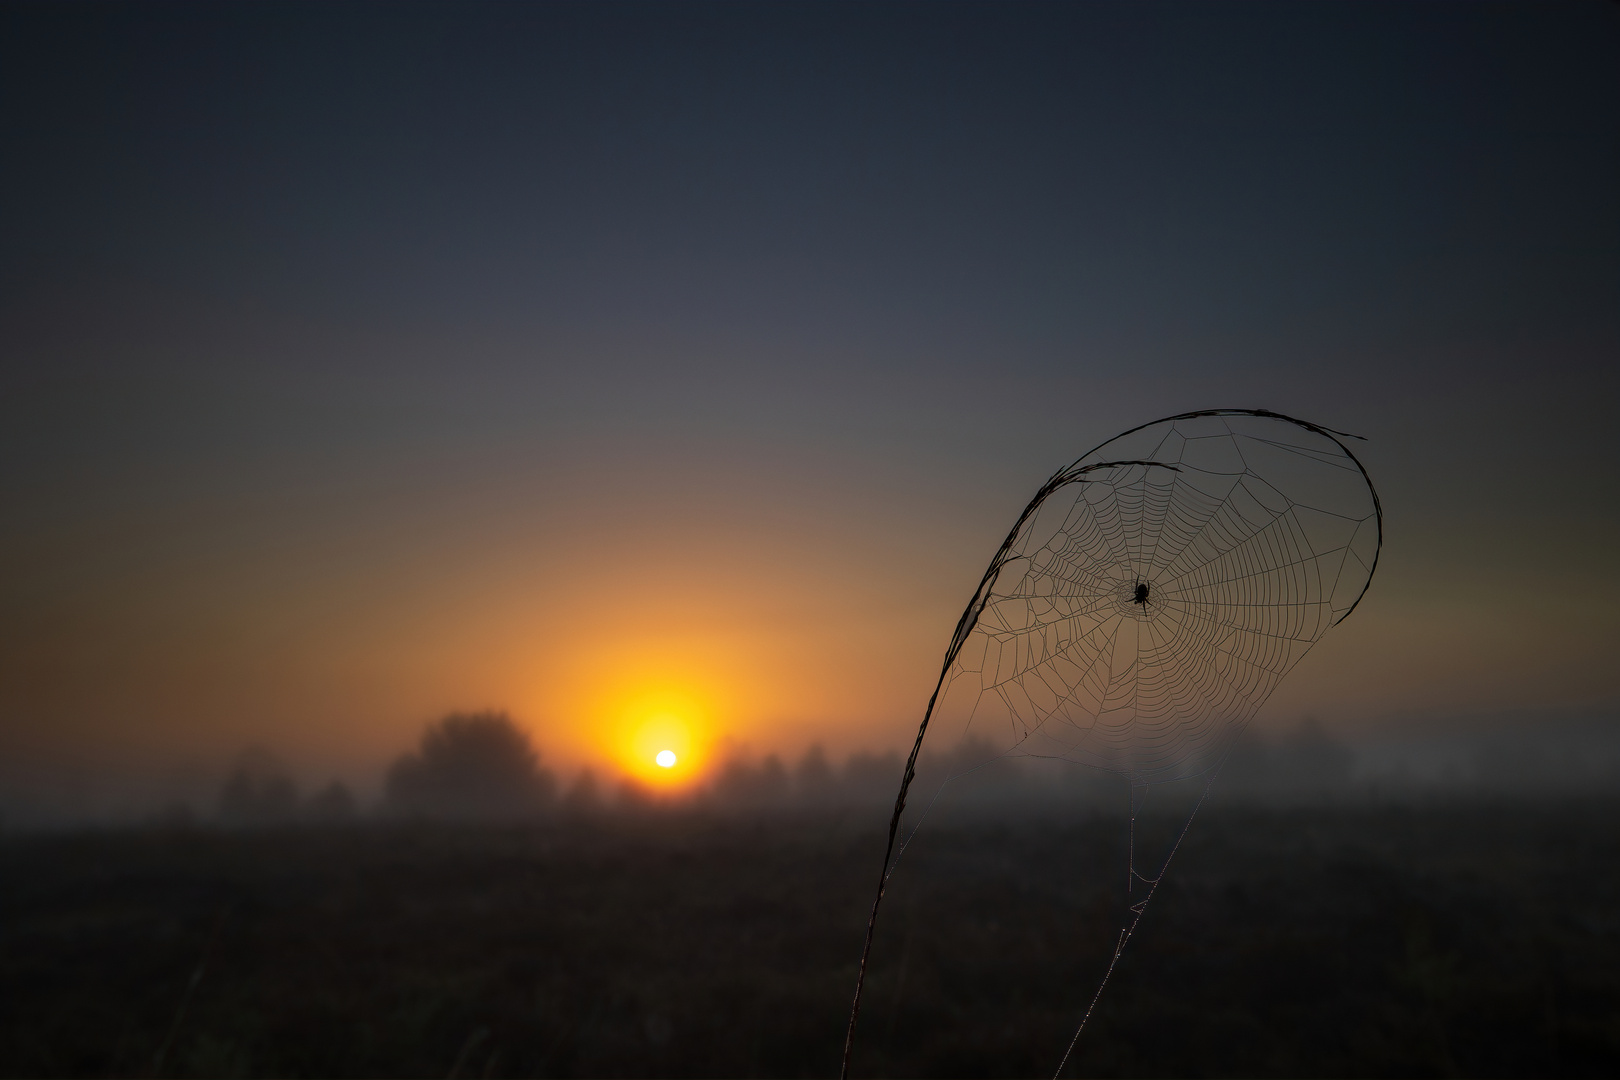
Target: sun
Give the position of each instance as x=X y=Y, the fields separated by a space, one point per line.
x=657 y=743
x=661 y=740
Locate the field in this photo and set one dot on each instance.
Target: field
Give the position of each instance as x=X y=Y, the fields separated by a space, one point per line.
x=1453 y=939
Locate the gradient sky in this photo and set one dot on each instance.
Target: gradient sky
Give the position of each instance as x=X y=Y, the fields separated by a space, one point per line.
x=598 y=361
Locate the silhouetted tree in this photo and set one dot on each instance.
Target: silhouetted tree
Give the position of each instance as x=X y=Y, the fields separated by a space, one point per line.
x=258 y=792
x=742 y=782
x=813 y=776
x=585 y=795
x=471 y=765
x=869 y=776
x=332 y=805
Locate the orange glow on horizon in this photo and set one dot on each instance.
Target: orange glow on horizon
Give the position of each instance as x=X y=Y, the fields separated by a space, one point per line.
x=627 y=697
x=661 y=738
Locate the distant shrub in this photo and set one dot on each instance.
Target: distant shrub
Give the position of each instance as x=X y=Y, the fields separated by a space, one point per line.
x=258 y=792
x=813 y=776
x=332 y=805
x=471 y=765
x=585 y=794
x=745 y=783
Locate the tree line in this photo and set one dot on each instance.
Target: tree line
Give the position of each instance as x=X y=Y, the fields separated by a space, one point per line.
x=483 y=766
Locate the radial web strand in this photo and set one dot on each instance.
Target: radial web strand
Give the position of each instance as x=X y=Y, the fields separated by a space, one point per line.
x=1144 y=606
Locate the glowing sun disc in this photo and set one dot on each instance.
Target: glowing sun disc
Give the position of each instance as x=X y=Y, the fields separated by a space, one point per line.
x=665 y=759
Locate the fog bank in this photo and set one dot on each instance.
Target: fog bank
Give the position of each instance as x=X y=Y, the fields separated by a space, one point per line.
x=1520 y=755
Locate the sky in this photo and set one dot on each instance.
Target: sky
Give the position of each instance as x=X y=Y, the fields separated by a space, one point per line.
x=603 y=363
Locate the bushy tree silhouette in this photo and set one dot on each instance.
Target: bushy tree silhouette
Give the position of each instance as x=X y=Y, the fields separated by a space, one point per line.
x=471 y=765
x=258 y=792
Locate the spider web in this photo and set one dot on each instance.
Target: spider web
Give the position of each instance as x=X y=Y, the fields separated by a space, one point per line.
x=1147 y=602
x=1253 y=536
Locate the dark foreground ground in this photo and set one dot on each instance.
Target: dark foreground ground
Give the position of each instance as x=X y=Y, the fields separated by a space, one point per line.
x=1458 y=940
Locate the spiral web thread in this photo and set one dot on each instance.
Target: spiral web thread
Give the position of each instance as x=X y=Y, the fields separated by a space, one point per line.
x=1147 y=602
x=1243 y=574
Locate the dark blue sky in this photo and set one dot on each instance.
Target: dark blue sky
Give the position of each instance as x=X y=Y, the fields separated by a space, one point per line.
x=361 y=361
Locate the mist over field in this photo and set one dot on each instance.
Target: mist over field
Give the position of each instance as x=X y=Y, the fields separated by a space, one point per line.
x=1514 y=755
x=489 y=491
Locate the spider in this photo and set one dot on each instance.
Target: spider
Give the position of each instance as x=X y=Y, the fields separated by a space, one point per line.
x=1140 y=594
